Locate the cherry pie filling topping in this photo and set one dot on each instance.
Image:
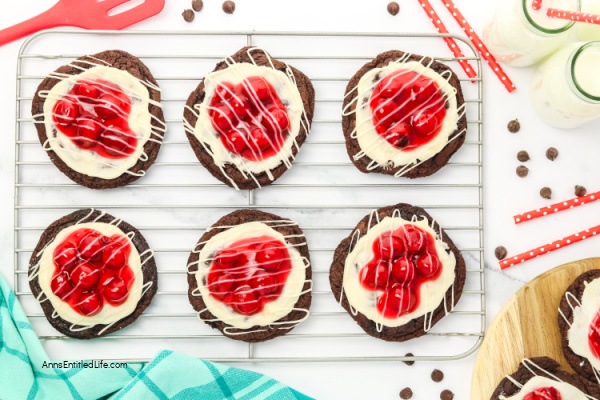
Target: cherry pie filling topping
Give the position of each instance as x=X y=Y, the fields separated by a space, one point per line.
x=594 y=336
x=403 y=260
x=545 y=393
x=94 y=116
x=407 y=109
x=250 y=118
x=91 y=270
x=249 y=274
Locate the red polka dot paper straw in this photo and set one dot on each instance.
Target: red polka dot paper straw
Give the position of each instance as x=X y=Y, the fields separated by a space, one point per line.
x=556 y=245
x=536 y=4
x=554 y=208
x=441 y=28
x=481 y=47
x=574 y=16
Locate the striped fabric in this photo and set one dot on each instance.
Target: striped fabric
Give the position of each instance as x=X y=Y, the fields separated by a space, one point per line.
x=169 y=376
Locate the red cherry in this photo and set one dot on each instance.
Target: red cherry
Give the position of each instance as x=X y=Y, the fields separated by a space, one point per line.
x=276 y=120
x=229 y=259
x=387 y=112
x=403 y=271
x=91 y=244
x=239 y=105
x=224 y=92
x=115 y=291
x=396 y=302
x=220 y=285
x=111 y=105
x=264 y=284
x=399 y=135
x=113 y=256
x=61 y=286
x=415 y=239
x=89 y=303
x=424 y=123
x=545 y=393
x=88 y=131
x=271 y=255
x=389 y=88
x=258 y=88
x=65 y=256
x=85 y=276
x=244 y=301
x=259 y=140
x=115 y=143
x=374 y=275
x=424 y=88
x=87 y=91
x=223 y=118
x=65 y=112
x=428 y=264
x=594 y=336
x=389 y=247
x=234 y=141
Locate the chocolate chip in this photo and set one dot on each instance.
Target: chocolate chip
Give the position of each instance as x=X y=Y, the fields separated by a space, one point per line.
x=229 y=7
x=551 y=153
x=406 y=393
x=500 y=252
x=197 y=5
x=393 y=8
x=580 y=191
x=546 y=192
x=523 y=156
x=522 y=171
x=409 y=363
x=514 y=126
x=188 y=15
x=446 y=395
x=437 y=375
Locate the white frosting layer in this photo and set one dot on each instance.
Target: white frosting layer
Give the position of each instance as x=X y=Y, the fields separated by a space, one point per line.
x=431 y=293
x=236 y=73
x=374 y=145
x=109 y=313
x=89 y=162
x=568 y=392
x=583 y=316
x=273 y=310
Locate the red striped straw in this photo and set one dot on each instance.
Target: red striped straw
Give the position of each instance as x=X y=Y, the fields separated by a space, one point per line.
x=574 y=16
x=441 y=28
x=556 y=245
x=485 y=53
x=557 y=207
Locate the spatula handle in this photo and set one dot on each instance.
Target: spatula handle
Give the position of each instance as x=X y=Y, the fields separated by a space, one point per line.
x=48 y=19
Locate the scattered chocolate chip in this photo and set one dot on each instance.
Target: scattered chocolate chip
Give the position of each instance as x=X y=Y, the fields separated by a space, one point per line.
x=197 y=5
x=229 y=7
x=446 y=395
x=437 y=375
x=551 y=153
x=546 y=192
x=406 y=393
x=580 y=191
x=522 y=171
x=188 y=15
x=523 y=156
x=514 y=126
x=409 y=363
x=500 y=252
x=393 y=8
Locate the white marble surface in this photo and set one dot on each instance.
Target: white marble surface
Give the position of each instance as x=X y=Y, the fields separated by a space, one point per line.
x=505 y=193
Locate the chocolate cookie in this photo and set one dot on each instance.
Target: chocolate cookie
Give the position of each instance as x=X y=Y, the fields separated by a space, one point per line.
x=247 y=119
x=377 y=272
x=92 y=273
x=250 y=276
x=411 y=112
x=548 y=369
x=574 y=318
x=82 y=112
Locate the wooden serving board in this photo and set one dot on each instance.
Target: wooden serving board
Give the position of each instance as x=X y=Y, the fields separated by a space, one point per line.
x=526 y=327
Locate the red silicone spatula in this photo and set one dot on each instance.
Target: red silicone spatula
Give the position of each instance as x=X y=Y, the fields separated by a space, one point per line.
x=88 y=14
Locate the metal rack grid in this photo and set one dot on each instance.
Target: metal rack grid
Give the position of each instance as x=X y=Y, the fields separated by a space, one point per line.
x=323 y=192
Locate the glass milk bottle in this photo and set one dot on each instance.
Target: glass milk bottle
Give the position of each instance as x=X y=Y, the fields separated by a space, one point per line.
x=565 y=90
x=520 y=36
x=589 y=32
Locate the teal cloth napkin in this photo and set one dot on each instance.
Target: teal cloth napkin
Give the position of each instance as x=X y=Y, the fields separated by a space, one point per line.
x=169 y=376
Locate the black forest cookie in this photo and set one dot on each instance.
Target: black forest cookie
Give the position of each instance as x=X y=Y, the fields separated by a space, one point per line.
x=397 y=273
x=247 y=119
x=250 y=276
x=92 y=273
x=579 y=323
x=100 y=119
x=403 y=115
x=541 y=379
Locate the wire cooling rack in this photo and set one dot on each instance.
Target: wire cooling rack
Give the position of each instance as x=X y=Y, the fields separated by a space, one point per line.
x=178 y=199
